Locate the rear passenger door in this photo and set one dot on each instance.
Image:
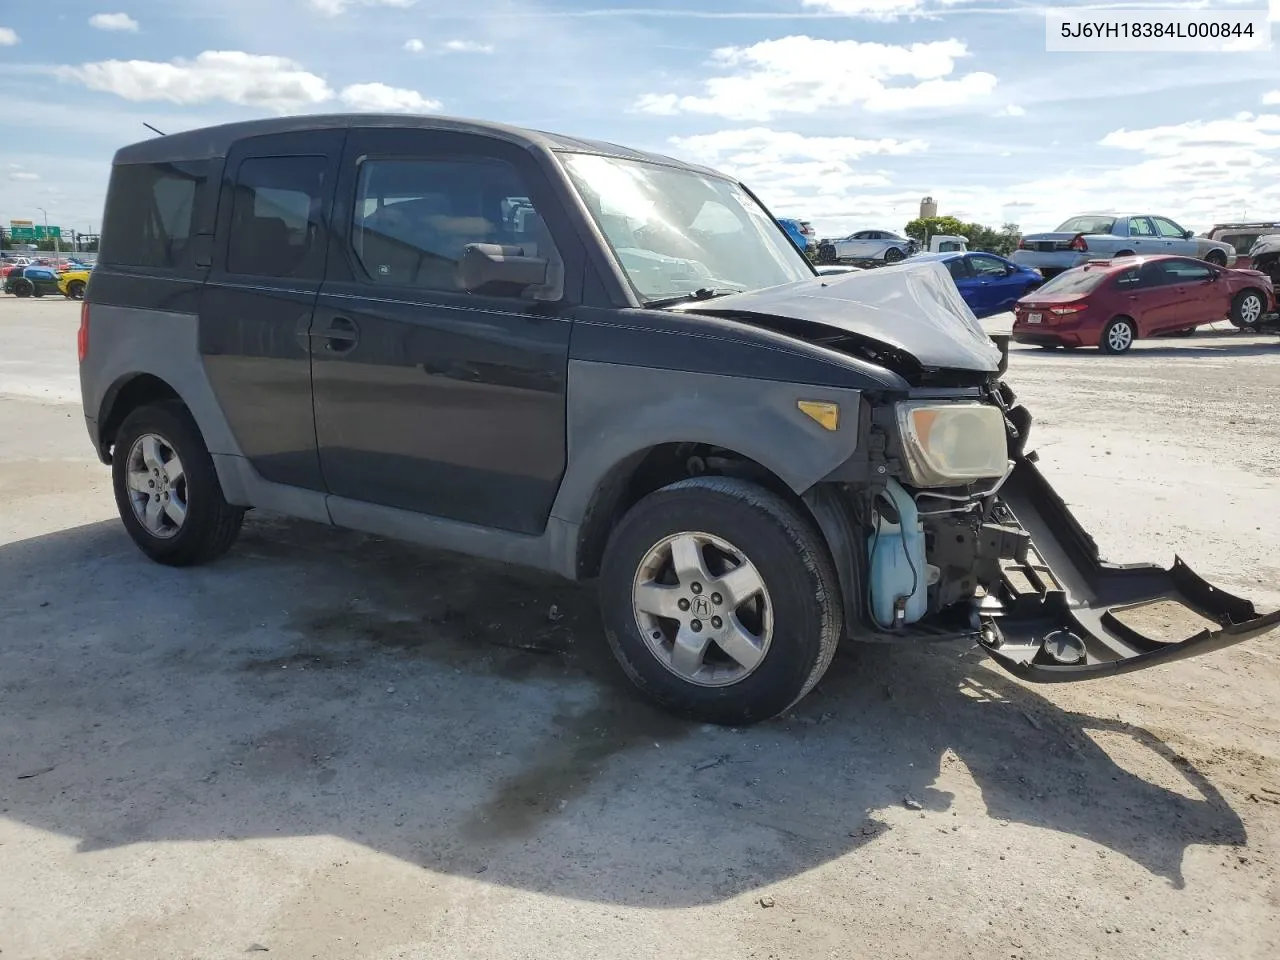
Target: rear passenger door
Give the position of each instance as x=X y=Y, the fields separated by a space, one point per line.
x=431 y=395
x=256 y=309
x=1142 y=236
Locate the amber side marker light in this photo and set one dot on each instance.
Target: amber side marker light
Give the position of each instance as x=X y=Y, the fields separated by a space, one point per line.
x=825 y=414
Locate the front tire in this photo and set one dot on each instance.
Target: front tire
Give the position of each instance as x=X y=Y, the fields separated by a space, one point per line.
x=75 y=290
x=1216 y=257
x=167 y=490
x=720 y=601
x=1247 y=309
x=894 y=255
x=1118 y=336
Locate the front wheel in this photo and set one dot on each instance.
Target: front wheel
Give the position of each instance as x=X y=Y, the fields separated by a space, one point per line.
x=1117 y=336
x=167 y=490
x=1246 y=309
x=720 y=600
x=1216 y=257
x=75 y=290
x=894 y=255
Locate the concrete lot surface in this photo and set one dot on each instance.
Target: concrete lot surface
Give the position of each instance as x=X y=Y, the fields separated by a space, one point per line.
x=331 y=746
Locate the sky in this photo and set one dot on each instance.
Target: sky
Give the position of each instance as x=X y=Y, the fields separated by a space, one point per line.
x=842 y=112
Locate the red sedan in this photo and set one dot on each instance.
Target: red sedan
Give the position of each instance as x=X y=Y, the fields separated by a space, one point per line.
x=1111 y=303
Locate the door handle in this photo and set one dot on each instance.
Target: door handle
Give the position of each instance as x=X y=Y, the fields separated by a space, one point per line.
x=340 y=336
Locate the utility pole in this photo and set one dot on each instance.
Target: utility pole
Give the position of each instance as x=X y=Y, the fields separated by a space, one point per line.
x=57 y=253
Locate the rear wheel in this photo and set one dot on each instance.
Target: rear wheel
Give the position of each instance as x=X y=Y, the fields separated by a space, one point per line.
x=167 y=490
x=1118 y=336
x=720 y=600
x=23 y=287
x=1246 y=309
x=1124 y=253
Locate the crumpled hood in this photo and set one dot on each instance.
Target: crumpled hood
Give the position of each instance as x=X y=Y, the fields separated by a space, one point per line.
x=912 y=307
x=1267 y=243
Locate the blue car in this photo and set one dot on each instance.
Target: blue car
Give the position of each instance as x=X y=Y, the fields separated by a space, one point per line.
x=799 y=231
x=989 y=284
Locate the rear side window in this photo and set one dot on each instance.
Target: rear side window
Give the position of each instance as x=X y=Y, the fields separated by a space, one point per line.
x=151 y=213
x=276 y=218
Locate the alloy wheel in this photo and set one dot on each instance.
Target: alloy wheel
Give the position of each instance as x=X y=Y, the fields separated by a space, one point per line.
x=157 y=486
x=1120 y=336
x=703 y=609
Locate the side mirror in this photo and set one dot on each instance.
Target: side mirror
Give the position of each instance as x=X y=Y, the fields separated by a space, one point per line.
x=1188 y=234
x=500 y=270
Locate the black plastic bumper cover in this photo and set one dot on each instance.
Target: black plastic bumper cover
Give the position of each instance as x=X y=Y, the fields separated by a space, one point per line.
x=1058 y=615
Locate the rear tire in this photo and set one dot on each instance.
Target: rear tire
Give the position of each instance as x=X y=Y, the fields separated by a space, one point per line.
x=1118 y=336
x=167 y=490
x=792 y=616
x=1124 y=253
x=1247 y=309
x=23 y=288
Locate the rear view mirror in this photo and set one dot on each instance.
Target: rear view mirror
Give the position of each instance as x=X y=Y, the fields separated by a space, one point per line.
x=500 y=270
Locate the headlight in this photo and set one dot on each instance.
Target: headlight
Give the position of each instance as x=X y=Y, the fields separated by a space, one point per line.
x=952 y=443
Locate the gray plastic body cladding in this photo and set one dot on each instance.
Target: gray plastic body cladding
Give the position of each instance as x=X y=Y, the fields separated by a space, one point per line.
x=616 y=411
x=125 y=342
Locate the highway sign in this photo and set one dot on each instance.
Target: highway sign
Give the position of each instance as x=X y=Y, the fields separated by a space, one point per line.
x=26 y=232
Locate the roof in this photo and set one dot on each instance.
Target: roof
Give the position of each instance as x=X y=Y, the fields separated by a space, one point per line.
x=211 y=142
x=943 y=256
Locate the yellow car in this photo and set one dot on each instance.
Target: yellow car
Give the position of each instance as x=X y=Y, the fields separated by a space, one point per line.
x=72 y=283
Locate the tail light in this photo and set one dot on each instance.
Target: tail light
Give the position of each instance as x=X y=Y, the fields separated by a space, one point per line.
x=1079 y=244
x=1068 y=309
x=82 y=335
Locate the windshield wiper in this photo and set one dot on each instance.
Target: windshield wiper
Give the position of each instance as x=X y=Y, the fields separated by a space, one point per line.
x=704 y=293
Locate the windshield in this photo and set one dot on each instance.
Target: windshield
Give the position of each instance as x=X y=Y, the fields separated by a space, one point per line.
x=1088 y=225
x=1073 y=281
x=676 y=232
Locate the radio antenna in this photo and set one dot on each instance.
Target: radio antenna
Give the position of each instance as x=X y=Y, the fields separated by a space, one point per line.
x=153 y=129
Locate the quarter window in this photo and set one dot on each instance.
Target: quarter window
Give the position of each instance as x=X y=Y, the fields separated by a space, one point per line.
x=414 y=220
x=276 y=222
x=150 y=215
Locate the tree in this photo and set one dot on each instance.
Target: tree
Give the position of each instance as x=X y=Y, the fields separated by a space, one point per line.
x=1003 y=241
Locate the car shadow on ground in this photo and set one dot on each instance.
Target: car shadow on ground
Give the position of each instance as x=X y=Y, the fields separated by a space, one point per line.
x=467 y=718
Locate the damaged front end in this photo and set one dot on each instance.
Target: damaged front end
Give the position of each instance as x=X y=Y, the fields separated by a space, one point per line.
x=980 y=544
x=1058 y=612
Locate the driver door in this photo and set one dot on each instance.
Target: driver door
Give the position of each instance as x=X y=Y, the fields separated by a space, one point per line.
x=431 y=396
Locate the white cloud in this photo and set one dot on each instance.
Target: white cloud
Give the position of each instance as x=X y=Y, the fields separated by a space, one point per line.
x=1272 y=98
x=1012 y=110
x=763 y=81
x=24 y=175
x=333 y=8
x=276 y=83
x=8 y=36
x=414 y=45
x=380 y=98
x=114 y=21
x=874 y=9
x=1244 y=131
x=467 y=46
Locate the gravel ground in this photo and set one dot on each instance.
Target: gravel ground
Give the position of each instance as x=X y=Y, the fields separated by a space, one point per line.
x=333 y=746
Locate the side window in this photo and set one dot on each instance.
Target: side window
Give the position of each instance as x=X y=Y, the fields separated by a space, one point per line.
x=1168 y=229
x=957 y=268
x=1128 y=279
x=1141 y=227
x=1184 y=271
x=415 y=219
x=150 y=214
x=276 y=226
x=1153 y=275
x=987 y=266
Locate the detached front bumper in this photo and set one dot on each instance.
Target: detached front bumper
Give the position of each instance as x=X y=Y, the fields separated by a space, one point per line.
x=1061 y=613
